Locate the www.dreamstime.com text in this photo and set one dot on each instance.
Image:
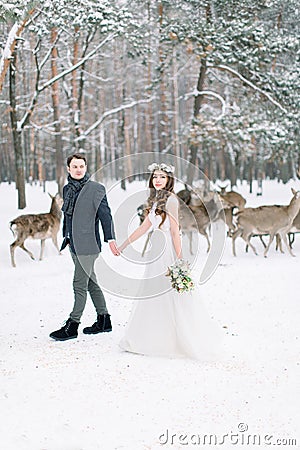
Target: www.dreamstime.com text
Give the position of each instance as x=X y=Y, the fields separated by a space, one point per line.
x=239 y=437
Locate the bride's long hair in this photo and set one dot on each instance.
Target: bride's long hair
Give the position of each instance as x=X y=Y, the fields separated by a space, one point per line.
x=160 y=196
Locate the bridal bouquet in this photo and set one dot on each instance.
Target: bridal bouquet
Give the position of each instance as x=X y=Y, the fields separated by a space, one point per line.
x=180 y=274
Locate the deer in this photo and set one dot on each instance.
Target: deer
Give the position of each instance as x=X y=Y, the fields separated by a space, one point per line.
x=213 y=208
x=294 y=229
x=269 y=219
x=277 y=237
x=37 y=226
x=192 y=217
x=196 y=213
x=232 y=198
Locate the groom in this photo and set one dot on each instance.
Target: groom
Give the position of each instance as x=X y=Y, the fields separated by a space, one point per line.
x=85 y=204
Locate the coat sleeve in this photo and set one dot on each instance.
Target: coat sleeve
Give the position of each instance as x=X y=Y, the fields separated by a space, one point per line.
x=64 y=228
x=104 y=214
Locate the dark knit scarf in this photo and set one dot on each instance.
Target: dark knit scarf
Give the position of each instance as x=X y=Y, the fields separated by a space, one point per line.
x=71 y=192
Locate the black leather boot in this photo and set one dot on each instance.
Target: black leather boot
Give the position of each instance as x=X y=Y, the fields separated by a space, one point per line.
x=68 y=331
x=102 y=325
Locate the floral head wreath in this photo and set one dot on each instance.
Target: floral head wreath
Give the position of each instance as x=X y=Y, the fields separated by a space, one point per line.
x=165 y=167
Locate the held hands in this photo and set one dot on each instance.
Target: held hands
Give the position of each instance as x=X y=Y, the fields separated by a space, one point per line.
x=117 y=250
x=114 y=249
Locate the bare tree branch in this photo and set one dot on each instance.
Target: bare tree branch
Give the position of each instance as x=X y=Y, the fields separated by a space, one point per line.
x=253 y=86
x=29 y=110
x=110 y=113
x=209 y=94
x=48 y=54
x=38 y=90
x=75 y=66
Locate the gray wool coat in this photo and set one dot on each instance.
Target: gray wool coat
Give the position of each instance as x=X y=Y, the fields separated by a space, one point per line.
x=81 y=230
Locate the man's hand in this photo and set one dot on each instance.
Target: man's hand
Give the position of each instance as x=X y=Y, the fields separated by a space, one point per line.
x=114 y=249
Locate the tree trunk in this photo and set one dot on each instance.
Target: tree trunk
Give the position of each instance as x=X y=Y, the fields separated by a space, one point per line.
x=149 y=114
x=222 y=163
x=250 y=174
x=10 y=46
x=60 y=173
x=17 y=141
x=233 y=171
x=197 y=105
x=74 y=102
x=39 y=159
x=176 y=150
x=163 y=116
x=32 y=155
x=78 y=92
x=125 y=140
x=100 y=141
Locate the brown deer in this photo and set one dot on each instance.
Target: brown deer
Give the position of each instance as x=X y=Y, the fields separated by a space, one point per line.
x=232 y=198
x=197 y=211
x=295 y=229
x=37 y=226
x=269 y=219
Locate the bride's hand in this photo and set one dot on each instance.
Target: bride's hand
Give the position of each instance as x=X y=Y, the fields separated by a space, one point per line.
x=122 y=247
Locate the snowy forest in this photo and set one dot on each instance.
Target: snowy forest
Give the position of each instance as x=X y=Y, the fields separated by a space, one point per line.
x=213 y=82
x=213 y=88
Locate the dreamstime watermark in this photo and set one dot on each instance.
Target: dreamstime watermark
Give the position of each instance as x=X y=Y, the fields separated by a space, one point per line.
x=127 y=278
x=239 y=437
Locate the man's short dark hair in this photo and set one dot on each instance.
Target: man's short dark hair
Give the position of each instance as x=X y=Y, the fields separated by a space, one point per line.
x=75 y=156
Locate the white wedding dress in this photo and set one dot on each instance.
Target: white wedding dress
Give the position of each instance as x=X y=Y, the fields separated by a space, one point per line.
x=169 y=323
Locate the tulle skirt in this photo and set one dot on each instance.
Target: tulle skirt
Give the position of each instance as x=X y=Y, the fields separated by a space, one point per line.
x=168 y=323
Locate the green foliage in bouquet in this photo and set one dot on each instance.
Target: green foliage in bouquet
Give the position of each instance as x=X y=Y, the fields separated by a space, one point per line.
x=180 y=274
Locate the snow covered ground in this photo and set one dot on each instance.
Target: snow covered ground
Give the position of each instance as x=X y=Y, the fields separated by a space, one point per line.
x=86 y=394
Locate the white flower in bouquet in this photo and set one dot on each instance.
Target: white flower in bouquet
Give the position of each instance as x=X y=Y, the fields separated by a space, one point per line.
x=180 y=274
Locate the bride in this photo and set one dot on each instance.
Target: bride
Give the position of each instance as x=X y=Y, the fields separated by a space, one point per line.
x=168 y=323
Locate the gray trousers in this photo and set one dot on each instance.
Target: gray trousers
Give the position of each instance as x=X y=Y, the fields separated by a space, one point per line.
x=84 y=281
